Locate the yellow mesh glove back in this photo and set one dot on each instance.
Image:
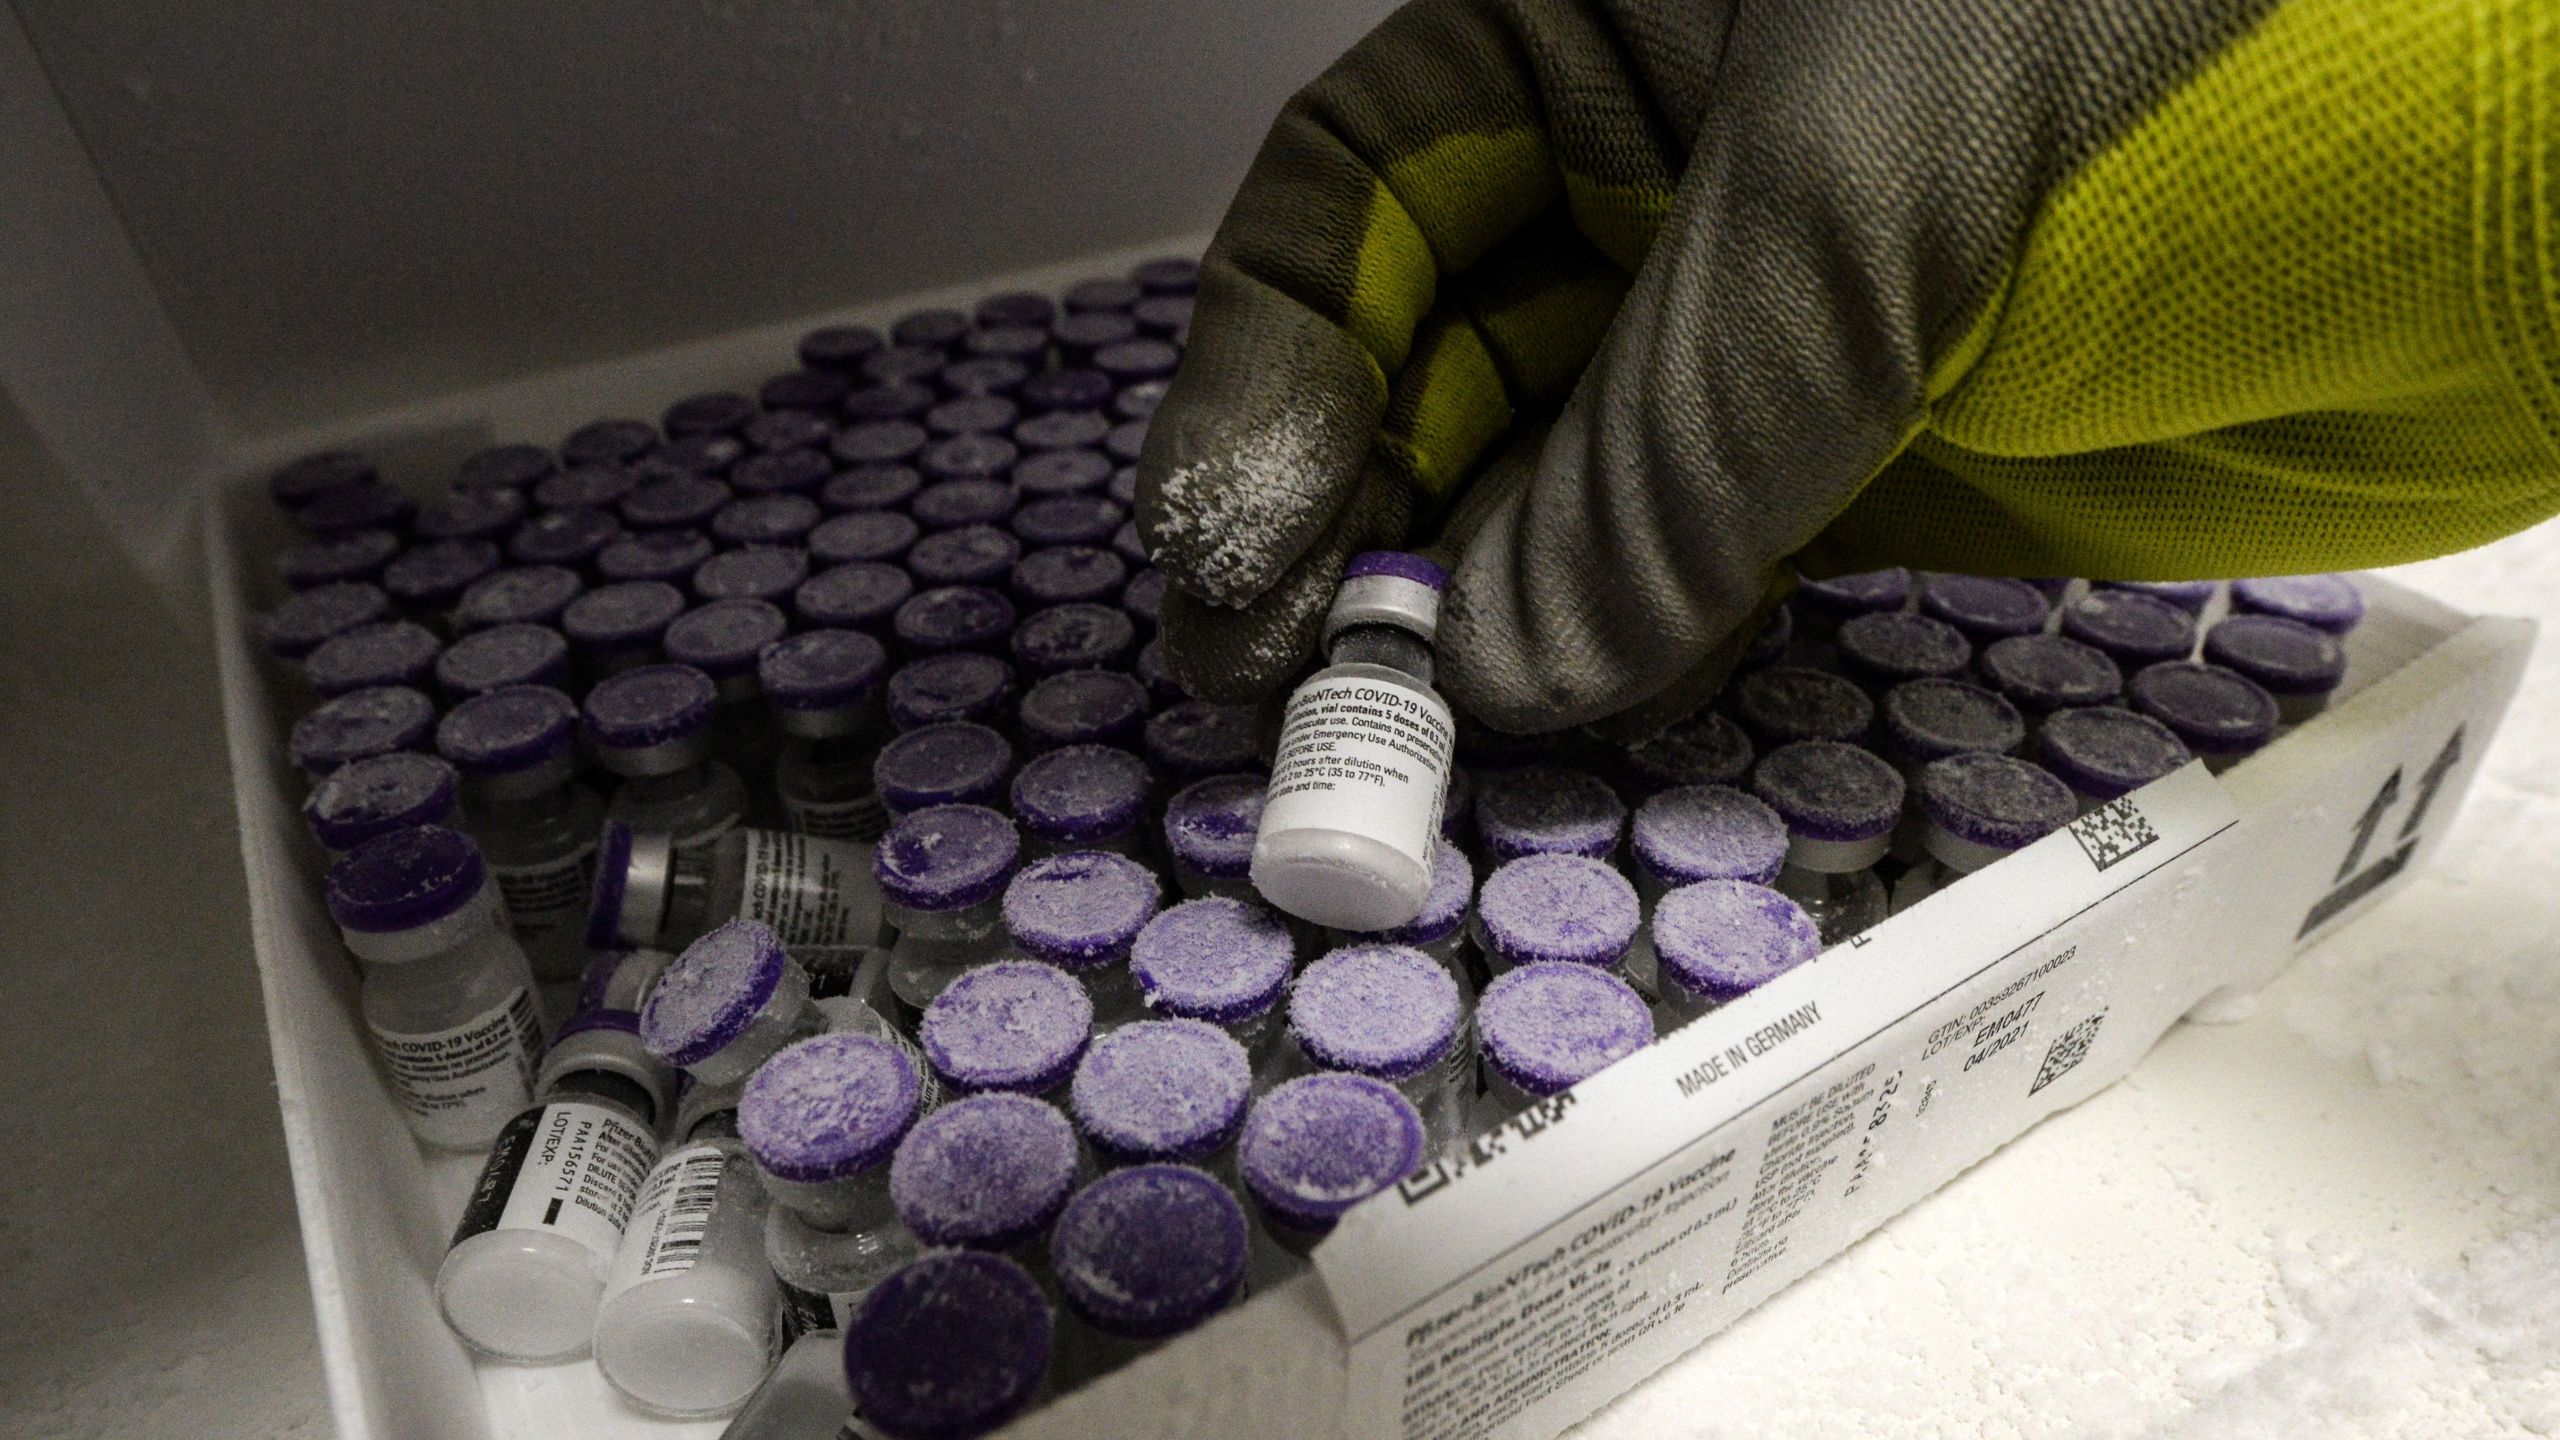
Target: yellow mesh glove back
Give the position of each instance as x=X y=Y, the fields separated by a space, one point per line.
x=2119 y=288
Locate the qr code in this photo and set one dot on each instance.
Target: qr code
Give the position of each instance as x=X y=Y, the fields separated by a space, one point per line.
x=2113 y=831
x=2067 y=1051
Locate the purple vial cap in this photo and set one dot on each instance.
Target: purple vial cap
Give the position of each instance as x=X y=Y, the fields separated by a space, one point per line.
x=2323 y=602
x=2132 y=628
x=321 y=473
x=1995 y=801
x=2215 y=711
x=1062 y=472
x=1067 y=575
x=1103 y=292
x=838 y=347
x=1195 y=738
x=1016 y=307
x=2285 y=657
x=1387 y=1011
x=1320 y=1144
x=766 y=520
x=352 y=555
x=1139 y=401
x=1723 y=939
x=967 y=457
x=1444 y=905
x=781 y=472
x=939 y=329
x=586 y=487
x=1787 y=703
x=2188 y=595
x=1709 y=832
x=500 y=732
x=986 y=1172
x=1547 y=1028
x=1062 y=430
x=859 y=595
x=563 y=537
x=697 y=455
x=955 y=762
x=361 y=723
x=658 y=555
x=1167 y=275
x=434 y=575
x=1889 y=647
x=611 y=885
x=627 y=615
x=1161 y=1090
x=357 y=507
x=950 y=1347
x=310 y=617
x=1080 y=794
x=1068 y=520
x=1931 y=719
x=504 y=467
x=1705 y=749
x=1143 y=598
x=380 y=794
x=1074 y=637
x=897 y=400
x=871 y=487
x=1558 y=907
x=1868 y=593
x=1157 y=676
x=2104 y=753
x=904 y=364
x=1081 y=336
x=723 y=638
x=609 y=442
x=2044 y=673
x=949 y=504
x=386 y=652
x=1027 y=343
x=1547 y=810
x=829 y=1107
x=987 y=375
x=1078 y=707
x=966 y=555
x=714 y=412
x=1080 y=910
x=1167 y=317
x=863 y=535
x=1985 y=608
x=949 y=857
x=1829 y=791
x=1209 y=825
x=1403 y=565
x=503 y=655
x=403 y=880
x=958 y=686
x=1069 y=389
x=471 y=515
x=1150 y=1252
x=821 y=670
x=1131 y=361
x=651 y=705
x=880 y=442
x=1216 y=959
x=674 y=503
x=764 y=574
x=1126 y=441
x=815 y=391
x=953 y=617
x=1015 y=1025
x=712 y=992
x=788 y=430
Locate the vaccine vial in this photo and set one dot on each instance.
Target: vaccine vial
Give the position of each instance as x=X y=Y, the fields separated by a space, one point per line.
x=691 y=1311
x=943 y=872
x=824 y=687
x=504 y=467
x=2040 y=674
x=1769 y=644
x=2132 y=628
x=1083 y=707
x=1821 y=606
x=1926 y=721
x=1082 y=798
x=1016 y=1026
x=1563 y=908
x=388 y=652
x=879 y=537
x=361 y=723
x=954 y=617
x=2323 y=602
x=526 y=1270
x=585 y=487
x=1311 y=1150
x=1081 y=335
x=1193 y=740
x=723 y=639
x=306 y=479
x=380 y=794
x=858 y=595
x=767 y=522
x=1440 y=931
x=447 y=994
x=1705 y=749
x=1074 y=637
x=428 y=581
x=309 y=618
x=471 y=515
x=1840 y=804
x=804 y=1395
x=1718 y=940
x=817 y=896
x=1543 y=1029
x=1222 y=961
x=1547 y=810
x=729 y=1002
x=535 y=823
x=357 y=507
x=567 y=539
x=619 y=627
x=2222 y=715
x=821 y=1119
x=1977 y=809
x=608 y=441
x=1391 y=1013
x=870 y=487
x=1984 y=607
x=2299 y=665
x=1143 y=599
x=504 y=655
x=969 y=555
x=952 y=1347
x=957 y=762
x=1882 y=651
x=652 y=727
x=951 y=687
x=2104 y=753
x=840 y=348
x=1209 y=831
x=987 y=1172
x=1353 y=818
x=668 y=556
x=1080 y=912
x=525 y=595
x=1143 y=1255
x=621 y=980
x=1163 y=1092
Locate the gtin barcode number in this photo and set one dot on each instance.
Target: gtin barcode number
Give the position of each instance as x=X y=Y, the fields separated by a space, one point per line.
x=685 y=1188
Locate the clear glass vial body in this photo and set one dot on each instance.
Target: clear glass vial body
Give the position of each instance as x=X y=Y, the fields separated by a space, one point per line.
x=1836 y=883
x=689 y=1317
x=817 y=894
x=936 y=947
x=696 y=804
x=459 y=984
x=538 y=830
x=825 y=785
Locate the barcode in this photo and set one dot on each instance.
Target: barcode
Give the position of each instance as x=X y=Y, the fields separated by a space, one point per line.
x=2113 y=831
x=2067 y=1051
x=696 y=1183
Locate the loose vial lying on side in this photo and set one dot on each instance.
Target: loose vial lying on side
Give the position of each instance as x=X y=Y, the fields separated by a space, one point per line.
x=1223 y=961
x=1977 y=809
x=818 y=896
x=1081 y=912
x=690 y=1307
x=1718 y=940
x=1311 y=1150
x=1840 y=804
x=652 y=727
x=821 y=1118
x=1141 y=1256
x=2104 y=753
x=943 y=872
x=1546 y=1028
x=950 y=1348
x=536 y=824
x=730 y=1000
x=1391 y=1013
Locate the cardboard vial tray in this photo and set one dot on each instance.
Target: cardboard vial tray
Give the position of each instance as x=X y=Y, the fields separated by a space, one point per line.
x=1575 y=1249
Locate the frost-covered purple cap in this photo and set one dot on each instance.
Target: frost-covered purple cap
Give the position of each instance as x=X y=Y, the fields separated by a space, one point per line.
x=668 y=555
x=1074 y=388
x=649 y=706
x=781 y=472
x=766 y=520
x=1080 y=794
x=2323 y=602
x=1167 y=317
x=1139 y=401
x=1931 y=719
x=434 y=575
x=608 y=441
x=1157 y=676
x=471 y=515
x=863 y=535
x=586 y=487
x=1995 y=801
x=1068 y=575
x=952 y=763
x=985 y=1172
x=2134 y=629
x=500 y=656
x=891 y=400
x=963 y=555
x=982 y=458
x=2188 y=595
x=1558 y=907
x=1705 y=749
x=829 y=1107
x=1209 y=825
x=1143 y=598
x=1827 y=791
x=949 y=1348
x=701 y=455
x=357 y=507
x=2214 y=710
x=2285 y=657
x=838 y=347
x=386 y=652
x=403 y=880
x=1062 y=430
x=938 y=329
x=950 y=504
x=1547 y=1028
x=712 y=993
x=1167 y=275
x=1884 y=649
x=1386 y=1011
x=1068 y=520
x=871 y=487
x=1161 y=1090
x=788 y=430
x=903 y=363
x=1708 y=832
x=1015 y=1025
x=1719 y=940
x=1080 y=707
x=856 y=595
x=504 y=467
x=949 y=857
x=1062 y=472
x=504 y=731
x=2043 y=673
x=971 y=415
x=713 y=412
x=821 y=670
x=1130 y=361
x=1193 y=739
x=723 y=638
x=525 y=595
x=1444 y=905
x=676 y=502
x=881 y=442
x=308 y=618
x=1985 y=608
x=2103 y=752
x=1219 y=959
x=563 y=537
x=1081 y=910
x=334 y=559
x=1150 y=1252
x=954 y=617
x=1320 y=1144
x=621 y=618
x=1868 y=593
x=763 y=573
x=1787 y=703
x=320 y=473
x=960 y=686
x=988 y=374
x=361 y=723
x=1547 y=810
x=1074 y=637
x=379 y=794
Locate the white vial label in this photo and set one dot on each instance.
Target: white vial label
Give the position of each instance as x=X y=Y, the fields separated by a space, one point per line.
x=572 y=1167
x=1365 y=755
x=670 y=1218
x=473 y=1077
x=805 y=888
x=862 y=819
x=543 y=897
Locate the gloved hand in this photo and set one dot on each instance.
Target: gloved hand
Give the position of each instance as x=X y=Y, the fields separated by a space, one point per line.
x=2117 y=288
